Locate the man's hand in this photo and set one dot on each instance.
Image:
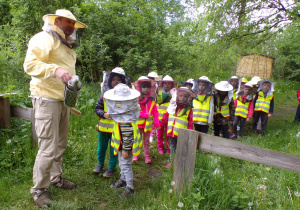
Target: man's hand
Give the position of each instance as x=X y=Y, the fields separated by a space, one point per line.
x=107 y=116
x=63 y=75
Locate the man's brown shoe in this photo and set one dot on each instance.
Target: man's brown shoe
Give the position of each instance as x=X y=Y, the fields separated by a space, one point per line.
x=41 y=198
x=65 y=184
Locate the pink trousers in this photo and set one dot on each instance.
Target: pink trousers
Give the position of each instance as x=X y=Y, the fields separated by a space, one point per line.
x=145 y=137
x=160 y=138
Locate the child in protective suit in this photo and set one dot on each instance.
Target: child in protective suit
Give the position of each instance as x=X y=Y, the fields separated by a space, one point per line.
x=263 y=105
x=203 y=104
x=224 y=108
x=123 y=107
x=180 y=115
x=105 y=125
x=163 y=101
x=148 y=112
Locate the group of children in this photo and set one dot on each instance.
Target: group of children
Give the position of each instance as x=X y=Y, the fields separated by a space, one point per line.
x=128 y=117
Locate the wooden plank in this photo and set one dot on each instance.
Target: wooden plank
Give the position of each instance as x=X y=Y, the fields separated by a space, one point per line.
x=5 y=118
x=20 y=112
x=239 y=150
x=185 y=159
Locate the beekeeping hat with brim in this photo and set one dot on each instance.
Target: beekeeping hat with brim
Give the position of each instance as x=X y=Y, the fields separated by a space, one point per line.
x=209 y=85
x=167 y=78
x=121 y=92
x=118 y=71
x=255 y=80
x=223 y=86
x=271 y=90
x=192 y=94
x=188 y=82
x=143 y=79
x=65 y=14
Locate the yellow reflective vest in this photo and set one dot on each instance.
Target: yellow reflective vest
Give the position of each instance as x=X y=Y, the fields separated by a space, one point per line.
x=201 y=108
x=263 y=103
x=224 y=109
x=149 y=121
x=176 y=122
x=116 y=139
x=242 y=109
x=161 y=108
x=105 y=125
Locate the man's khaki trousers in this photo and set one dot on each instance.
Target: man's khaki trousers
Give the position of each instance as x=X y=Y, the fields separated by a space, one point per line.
x=51 y=125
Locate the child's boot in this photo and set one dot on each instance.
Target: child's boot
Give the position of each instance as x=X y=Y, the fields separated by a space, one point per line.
x=135 y=158
x=119 y=184
x=128 y=191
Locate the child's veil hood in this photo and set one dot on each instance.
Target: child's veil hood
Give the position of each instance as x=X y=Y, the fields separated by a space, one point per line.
x=270 y=92
x=209 y=85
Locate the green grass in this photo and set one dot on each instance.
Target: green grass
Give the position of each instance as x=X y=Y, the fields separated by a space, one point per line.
x=219 y=182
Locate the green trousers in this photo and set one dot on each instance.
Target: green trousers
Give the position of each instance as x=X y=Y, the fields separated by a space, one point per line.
x=104 y=140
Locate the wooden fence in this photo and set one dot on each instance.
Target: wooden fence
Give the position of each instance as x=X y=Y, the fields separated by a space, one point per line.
x=7 y=111
x=189 y=141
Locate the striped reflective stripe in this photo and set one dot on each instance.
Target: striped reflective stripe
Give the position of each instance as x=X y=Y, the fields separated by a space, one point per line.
x=201 y=110
x=106 y=125
x=263 y=103
x=148 y=125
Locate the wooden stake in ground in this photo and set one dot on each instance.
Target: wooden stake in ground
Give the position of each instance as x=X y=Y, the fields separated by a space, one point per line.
x=184 y=163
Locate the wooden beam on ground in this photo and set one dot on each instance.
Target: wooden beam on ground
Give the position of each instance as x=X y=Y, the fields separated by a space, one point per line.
x=5 y=119
x=243 y=151
x=184 y=163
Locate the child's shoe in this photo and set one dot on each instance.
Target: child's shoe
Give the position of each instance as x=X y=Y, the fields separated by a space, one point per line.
x=98 y=168
x=168 y=165
x=128 y=191
x=233 y=136
x=108 y=173
x=119 y=184
x=135 y=158
x=160 y=151
x=151 y=139
x=147 y=160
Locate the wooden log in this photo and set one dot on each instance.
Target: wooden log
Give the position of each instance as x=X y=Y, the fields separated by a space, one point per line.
x=5 y=119
x=243 y=151
x=185 y=159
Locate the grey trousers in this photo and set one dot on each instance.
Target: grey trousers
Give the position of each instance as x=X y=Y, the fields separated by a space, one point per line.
x=126 y=169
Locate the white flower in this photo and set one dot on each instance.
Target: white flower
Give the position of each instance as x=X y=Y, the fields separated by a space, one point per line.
x=261 y=186
x=170 y=190
x=92 y=127
x=217 y=171
x=298 y=134
x=297 y=194
x=84 y=137
x=250 y=204
x=180 y=204
x=172 y=183
x=268 y=168
x=8 y=141
x=265 y=178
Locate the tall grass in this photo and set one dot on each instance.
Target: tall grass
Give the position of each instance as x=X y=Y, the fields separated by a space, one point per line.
x=219 y=182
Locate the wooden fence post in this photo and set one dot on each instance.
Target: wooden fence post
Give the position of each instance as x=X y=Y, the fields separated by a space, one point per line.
x=5 y=118
x=185 y=159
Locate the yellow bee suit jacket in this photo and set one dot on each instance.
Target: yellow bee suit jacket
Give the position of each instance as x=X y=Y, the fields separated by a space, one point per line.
x=44 y=55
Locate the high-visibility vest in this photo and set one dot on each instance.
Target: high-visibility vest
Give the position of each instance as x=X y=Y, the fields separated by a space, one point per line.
x=149 y=121
x=201 y=108
x=234 y=93
x=224 y=109
x=105 y=125
x=176 y=122
x=116 y=139
x=161 y=108
x=242 y=109
x=263 y=103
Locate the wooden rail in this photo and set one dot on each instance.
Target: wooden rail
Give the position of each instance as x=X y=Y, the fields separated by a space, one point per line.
x=189 y=141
